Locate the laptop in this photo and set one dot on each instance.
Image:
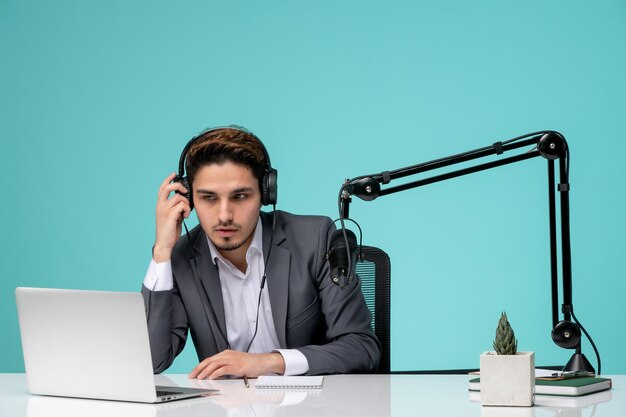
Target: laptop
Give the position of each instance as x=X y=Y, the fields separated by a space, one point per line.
x=90 y=344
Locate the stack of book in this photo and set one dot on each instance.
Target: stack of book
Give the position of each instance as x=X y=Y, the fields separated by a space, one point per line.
x=572 y=391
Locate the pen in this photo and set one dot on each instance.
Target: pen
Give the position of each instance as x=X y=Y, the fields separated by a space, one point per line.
x=245 y=381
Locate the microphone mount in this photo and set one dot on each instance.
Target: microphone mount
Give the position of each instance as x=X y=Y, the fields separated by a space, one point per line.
x=550 y=145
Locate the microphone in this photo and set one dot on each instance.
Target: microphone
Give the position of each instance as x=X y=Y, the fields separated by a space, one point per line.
x=338 y=259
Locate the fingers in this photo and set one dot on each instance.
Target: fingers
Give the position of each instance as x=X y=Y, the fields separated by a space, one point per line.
x=171 y=206
x=227 y=362
x=231 y=362
x=165 y=183
x=207 y=367
x=167 y=186
x=216 y=370
x=177 y=204
x=170 y=212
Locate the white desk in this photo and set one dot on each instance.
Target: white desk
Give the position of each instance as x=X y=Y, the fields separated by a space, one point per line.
x=342 y=395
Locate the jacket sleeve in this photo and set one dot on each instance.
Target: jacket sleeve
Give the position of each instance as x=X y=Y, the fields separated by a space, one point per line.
x=167 y=326
x=352 y=346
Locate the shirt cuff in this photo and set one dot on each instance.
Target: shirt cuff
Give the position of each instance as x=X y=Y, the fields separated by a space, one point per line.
x=159 y=276
x=295 y=361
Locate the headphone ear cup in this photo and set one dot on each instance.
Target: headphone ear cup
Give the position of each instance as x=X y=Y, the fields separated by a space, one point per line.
x=269 y=189
x=185 y=182
x=566 y=334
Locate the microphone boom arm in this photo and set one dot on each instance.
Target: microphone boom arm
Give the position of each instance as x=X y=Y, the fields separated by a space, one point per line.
x=549 y=144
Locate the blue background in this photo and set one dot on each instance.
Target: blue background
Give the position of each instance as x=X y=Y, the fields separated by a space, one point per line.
x=97 y=100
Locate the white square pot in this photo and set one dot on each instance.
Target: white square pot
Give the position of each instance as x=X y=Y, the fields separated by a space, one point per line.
x=507 y=379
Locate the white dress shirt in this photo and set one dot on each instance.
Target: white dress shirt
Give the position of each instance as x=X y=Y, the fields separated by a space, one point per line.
x=240 y=294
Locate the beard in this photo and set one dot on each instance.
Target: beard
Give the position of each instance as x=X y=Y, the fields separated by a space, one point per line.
x=229 y=245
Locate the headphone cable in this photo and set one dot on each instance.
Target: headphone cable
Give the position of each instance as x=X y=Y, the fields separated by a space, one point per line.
x=593 y=345
x=263 y=279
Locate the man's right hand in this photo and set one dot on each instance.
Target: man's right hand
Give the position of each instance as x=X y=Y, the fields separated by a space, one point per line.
x=170 y=212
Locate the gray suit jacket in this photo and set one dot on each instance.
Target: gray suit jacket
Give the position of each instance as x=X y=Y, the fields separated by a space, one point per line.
x=330 y=326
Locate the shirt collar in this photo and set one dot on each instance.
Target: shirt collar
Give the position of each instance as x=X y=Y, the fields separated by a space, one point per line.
x=256 y=246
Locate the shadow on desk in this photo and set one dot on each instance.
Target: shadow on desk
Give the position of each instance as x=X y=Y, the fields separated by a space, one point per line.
x=556 y=405
x=346 y=396
x=341 y=395
x=41 y=406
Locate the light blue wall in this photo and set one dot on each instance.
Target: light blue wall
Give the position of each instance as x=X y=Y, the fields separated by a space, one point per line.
x=98 y=98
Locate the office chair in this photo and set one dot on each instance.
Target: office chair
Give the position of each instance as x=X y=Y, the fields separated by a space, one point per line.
x=374 y=271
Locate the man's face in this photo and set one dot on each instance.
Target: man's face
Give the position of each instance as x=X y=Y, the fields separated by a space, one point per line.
x=228 y=201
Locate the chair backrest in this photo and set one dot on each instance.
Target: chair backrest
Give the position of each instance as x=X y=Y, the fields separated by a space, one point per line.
x=374 y=271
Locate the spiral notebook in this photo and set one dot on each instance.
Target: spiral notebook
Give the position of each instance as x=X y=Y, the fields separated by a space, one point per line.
x=289 y=382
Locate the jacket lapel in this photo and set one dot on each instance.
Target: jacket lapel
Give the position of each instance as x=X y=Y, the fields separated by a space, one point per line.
x=277 y=268
x=210 y=280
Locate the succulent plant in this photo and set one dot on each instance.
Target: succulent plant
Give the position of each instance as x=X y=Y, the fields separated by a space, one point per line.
x=505 y=342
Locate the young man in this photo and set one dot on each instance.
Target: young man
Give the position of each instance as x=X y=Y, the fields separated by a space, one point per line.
x=211 y=281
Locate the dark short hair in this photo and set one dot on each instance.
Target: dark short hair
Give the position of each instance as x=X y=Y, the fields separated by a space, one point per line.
x=226 y=144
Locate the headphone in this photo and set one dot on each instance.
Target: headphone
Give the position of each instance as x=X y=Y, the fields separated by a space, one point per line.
x=268 y=184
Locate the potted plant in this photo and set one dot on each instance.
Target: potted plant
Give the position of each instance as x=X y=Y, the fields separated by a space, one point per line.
x=507 y=377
